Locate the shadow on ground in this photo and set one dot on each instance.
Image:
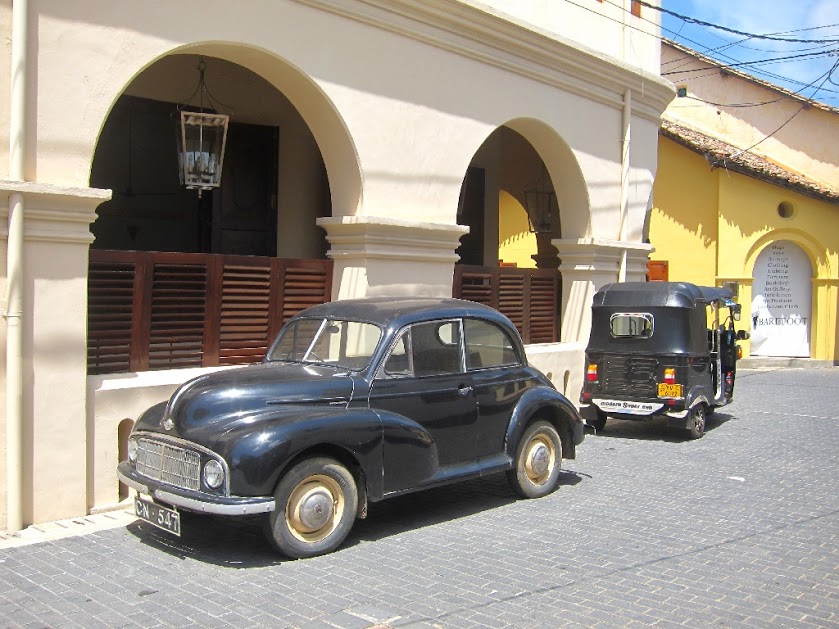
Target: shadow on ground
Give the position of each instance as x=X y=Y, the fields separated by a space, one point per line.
x=240 y=542
x=656 y=429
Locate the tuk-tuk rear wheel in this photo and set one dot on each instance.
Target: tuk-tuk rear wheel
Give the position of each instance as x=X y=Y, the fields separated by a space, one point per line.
x=599 y=422
x=697 y=416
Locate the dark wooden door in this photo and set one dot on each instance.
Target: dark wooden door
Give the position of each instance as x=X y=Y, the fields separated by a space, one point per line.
x=244 y=211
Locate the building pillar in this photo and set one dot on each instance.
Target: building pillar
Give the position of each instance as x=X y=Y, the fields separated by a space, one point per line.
x=546 y=256
x=376 y=256
x=586 y=264
x=54 y=324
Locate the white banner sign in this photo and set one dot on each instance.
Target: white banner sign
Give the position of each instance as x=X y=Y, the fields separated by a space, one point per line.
x=781 y=301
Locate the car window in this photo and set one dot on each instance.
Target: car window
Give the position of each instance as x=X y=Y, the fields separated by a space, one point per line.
x=426 y=349
x=637 y=325
x=346 y=344
x=487 y=345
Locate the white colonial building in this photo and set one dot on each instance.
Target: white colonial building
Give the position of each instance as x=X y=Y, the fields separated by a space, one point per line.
x=371 y=146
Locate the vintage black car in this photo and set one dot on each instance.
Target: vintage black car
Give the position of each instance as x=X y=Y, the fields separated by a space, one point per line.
x=660 y=349
x=356 y=401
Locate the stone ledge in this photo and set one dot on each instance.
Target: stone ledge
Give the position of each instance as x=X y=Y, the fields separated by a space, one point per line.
x=71 y=527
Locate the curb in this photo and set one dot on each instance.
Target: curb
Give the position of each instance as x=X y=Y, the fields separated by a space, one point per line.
x=71 y=527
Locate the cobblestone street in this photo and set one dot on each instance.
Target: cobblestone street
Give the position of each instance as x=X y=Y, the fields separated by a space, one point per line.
x=738 y=529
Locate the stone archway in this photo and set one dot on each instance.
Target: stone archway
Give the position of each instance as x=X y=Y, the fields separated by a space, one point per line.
x=135 y=158
x=508 y=260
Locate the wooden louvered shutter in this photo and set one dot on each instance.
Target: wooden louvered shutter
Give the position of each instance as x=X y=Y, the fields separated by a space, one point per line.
x=528 y=297
x=150 y=310
x=178 y=302
x=110 y=322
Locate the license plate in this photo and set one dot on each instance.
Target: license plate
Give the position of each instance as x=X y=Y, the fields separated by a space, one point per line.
x=670 y=390
x=167 y=519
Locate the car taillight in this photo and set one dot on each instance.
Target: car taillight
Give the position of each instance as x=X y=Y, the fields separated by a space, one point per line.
x=670 y=375
x=591 y=372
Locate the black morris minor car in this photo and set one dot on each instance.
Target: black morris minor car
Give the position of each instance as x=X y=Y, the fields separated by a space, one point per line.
x=356 y=401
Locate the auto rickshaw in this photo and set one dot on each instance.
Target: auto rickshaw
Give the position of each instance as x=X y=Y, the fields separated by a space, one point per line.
x=660 y=349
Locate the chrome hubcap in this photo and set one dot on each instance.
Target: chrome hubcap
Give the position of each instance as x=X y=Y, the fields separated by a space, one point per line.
x=540 y=459
x=315 y=509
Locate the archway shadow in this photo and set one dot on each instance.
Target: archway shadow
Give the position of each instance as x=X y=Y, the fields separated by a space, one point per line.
x=240 y=542
x=656 y=429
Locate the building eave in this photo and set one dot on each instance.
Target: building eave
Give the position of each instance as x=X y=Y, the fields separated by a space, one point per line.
x=474 y=30
x=720 y=154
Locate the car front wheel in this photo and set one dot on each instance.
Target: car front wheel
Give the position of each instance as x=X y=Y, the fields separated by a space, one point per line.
x=316 y=503
x=538 y=461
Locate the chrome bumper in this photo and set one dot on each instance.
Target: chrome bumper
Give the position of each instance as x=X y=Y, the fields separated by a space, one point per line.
x=195 y=501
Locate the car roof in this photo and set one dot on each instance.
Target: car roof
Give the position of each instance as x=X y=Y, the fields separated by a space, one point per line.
x=651 y=294
x=402 y=310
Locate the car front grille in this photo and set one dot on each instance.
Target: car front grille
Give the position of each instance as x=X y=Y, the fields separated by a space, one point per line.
x=629 y=375
x=169 y=464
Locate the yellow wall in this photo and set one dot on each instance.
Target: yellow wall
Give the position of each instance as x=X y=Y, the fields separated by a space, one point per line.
x=711 y=225
x=515 y=241
x=683 y=225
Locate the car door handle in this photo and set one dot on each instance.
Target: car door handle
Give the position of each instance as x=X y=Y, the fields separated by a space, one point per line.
x=464 y=389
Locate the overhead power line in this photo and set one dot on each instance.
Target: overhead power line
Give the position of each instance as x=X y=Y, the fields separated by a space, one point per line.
x=694 y=20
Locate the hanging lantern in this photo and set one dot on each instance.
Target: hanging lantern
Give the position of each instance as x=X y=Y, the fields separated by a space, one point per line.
x=539 y=202
x=202 y=137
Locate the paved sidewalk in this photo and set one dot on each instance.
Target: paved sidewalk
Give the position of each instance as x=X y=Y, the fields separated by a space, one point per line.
x=738 y=529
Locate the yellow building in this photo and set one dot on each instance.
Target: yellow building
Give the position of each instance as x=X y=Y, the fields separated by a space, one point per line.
x=748 y=197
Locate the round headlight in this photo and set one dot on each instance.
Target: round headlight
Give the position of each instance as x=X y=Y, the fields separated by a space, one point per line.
x=213 y=474
x=133 y=446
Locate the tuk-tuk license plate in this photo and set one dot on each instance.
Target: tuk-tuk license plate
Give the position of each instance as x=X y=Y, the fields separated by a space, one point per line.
x=167 y=519
x=670 y=390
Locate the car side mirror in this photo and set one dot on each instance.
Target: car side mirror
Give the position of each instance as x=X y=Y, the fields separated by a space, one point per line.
x=742 y=335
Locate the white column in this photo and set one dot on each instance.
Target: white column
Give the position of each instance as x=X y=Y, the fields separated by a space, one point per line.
x=387 y=257
x=586 y=264
x=56 y=240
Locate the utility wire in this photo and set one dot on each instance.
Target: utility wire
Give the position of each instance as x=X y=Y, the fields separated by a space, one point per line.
x=698 y=44
x=823 y=53
x=693 y=20
x=826 y=76
x=748 y=36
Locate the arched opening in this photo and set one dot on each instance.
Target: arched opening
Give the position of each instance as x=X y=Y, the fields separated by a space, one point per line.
x=511 y=200
x=179 y=279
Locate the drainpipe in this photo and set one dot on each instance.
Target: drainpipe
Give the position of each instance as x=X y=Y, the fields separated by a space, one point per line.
x=626 y=125
x=14 y=266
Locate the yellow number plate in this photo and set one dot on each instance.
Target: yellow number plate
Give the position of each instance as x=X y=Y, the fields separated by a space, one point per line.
x=670 y=390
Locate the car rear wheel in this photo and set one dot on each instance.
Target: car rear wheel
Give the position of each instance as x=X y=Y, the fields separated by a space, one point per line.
x=697 y=416
x=538 y=461
x=316 y=503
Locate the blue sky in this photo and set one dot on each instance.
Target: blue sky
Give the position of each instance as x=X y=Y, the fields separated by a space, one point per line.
x=801 y=19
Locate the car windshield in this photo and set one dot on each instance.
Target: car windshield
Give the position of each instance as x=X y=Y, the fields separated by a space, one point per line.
x=334 y=342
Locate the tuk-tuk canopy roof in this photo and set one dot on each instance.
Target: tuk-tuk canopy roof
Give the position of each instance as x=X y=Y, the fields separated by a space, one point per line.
x=662 y=294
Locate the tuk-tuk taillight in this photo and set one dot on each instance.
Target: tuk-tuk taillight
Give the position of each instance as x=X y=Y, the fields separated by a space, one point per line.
x=670 y=375
x=591 y=372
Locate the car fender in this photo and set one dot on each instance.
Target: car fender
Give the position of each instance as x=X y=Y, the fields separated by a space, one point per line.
x=560 y=411
x=260 y=447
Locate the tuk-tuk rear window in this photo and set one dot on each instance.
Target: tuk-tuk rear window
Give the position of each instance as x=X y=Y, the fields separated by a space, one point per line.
x=632 y=325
